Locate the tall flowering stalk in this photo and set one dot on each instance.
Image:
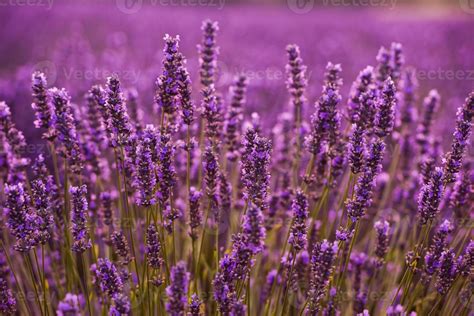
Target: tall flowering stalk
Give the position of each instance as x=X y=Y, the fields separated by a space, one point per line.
x=145 y=169
x=298 y=238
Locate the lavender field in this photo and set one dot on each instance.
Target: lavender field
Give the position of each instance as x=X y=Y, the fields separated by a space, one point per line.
x=165 y=158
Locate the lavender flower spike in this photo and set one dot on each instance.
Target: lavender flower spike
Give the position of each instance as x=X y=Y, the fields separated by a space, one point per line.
x=41 y=104
x=382 y=228
x=195 y=217
x=322 y=261
x=21 y=221
x=153 y=248
x=177 y=290
x=108 y=277
x=253 y=229
x=430 y=106
x=79 y=211
x=120 y=243
x=453 y=160
x=430 y=197
x=208 y=52
x=64 y=126
x=385 y=118
x=167 y=85
x=448 y=271
x=364 y=81
x=7 y=299
x=233 y=120
x=145 y=169
x=296 y=82
x=195 y=306
x=357 y=148
x=119 y=122
x=298 y=231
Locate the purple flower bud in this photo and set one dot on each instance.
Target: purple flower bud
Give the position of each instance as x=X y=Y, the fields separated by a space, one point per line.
x=145 y=170
x=184 y=90
x=326 y=121
x=397 y=61
x=41 y=104
x=167 y=85
x=357 y=148
x=255 y=167
x=44 y=207
x=107 y=277
x=453 y=159
x=208 y=52
x=211 y=112
x=430 y=197
x=70 y=305
x=409 y=86
x=195 y=217
x=195 y=306
x=153 y=248
x=296 y=82
x=298 y=232
x=119 y=123
x=211 y=171
x=430 y=107
x=322 y=261
x=120 y=305
x=363 y=83
x=462 y=190
x=467 y=260
x=384 y=67
x=95 y=111
x=21 y=220
x=382 y=228
x=253 y=229
x=447 y=272
x=106 y=208
x=65 y=128
x=233 y=119
x=120 y=243
x=434 y=253
x=79 y=209
x=385 y=118
x=7 y=299
x=166 y=171
x=177 y=290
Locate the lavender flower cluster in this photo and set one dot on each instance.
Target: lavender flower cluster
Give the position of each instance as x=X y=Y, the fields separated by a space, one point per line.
x=351 y=209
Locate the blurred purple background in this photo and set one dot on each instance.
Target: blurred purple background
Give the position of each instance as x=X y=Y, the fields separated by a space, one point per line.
x=80 y=43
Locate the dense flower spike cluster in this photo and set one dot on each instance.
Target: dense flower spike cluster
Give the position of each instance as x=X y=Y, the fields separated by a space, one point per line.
x=166 y=214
